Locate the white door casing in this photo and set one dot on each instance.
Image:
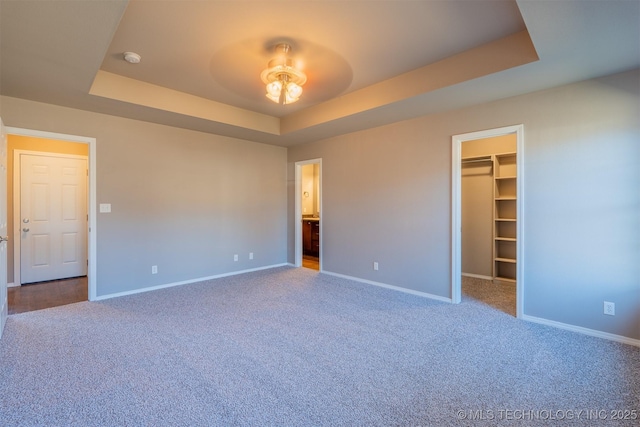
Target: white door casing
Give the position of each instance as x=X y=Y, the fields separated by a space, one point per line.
x=3 y=228
x=456 y=192
x=298 y=210
x=53 y=217
x=92 y=226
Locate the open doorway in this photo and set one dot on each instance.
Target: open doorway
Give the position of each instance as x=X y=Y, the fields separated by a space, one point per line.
x=60 y=276
x=308 y=202
x=487 y=200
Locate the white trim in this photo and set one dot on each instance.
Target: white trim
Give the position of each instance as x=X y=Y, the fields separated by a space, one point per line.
x=49 y=154
x=93 y=231
x=581 y=330
x=12 y=285
x=4 y=289
x=456 y=220
x=185 y=282
x=298 y=212
x=477 y=276
x=392 y=287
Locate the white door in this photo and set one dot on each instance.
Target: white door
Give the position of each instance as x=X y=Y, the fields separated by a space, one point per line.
x=53 y=217
x=3 y=228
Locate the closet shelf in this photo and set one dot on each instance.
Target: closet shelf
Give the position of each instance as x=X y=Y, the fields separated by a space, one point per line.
x=505 y=217
x=504 y=279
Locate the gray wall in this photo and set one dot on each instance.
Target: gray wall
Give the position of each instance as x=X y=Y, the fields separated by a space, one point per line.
x=386 y=198
x=182 y=200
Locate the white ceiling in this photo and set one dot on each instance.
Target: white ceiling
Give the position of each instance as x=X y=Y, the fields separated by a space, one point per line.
x=368 y=62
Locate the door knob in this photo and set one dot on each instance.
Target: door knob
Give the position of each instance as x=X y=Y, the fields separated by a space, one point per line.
x=25 y=230
x=26 y=220
x=4 y=239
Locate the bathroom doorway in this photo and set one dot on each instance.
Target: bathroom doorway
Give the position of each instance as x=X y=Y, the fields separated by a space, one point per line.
x=308 y=214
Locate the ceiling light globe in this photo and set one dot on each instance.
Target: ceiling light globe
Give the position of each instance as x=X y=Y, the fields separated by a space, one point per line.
x=273 y=89
x=294 y=91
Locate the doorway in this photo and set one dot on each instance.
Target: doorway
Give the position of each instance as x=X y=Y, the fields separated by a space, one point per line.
x=308 y=220
x=502 y=243
x=72 y=257
x=4 y=236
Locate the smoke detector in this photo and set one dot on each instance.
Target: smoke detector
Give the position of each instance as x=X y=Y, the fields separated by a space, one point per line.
x=132 y=57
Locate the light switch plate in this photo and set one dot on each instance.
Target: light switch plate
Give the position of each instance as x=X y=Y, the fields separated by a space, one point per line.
x=105 y=207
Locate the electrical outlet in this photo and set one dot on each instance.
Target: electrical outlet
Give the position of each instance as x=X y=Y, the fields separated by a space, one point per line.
x=235 y=257
x=154 y=269
x=250 y=255
x=375 y=265
x=609 y=308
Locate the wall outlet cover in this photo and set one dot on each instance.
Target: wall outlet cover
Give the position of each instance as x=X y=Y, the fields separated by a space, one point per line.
x=609 y=308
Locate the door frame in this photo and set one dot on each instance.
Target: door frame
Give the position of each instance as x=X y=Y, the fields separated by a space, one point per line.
x=17 y=205
x=4 y=293
x=91 y=210
x=298 y=209
x=456 y=209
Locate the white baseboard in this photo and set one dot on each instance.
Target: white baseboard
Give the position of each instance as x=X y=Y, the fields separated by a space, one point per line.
x=185 y=282
x=12 y=285
x=392 y=287
x=581 y=330
x=477 y=276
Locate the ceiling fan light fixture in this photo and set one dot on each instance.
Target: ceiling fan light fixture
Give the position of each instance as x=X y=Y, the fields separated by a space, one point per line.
x=284 y=81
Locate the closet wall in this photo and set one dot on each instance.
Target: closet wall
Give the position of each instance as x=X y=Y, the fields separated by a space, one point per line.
x=478 y=203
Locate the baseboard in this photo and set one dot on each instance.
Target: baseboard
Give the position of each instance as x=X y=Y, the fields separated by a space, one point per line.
x=185 y=282
x=581 y=330
x=392 y=287
x=12 y=285
x=477 y=276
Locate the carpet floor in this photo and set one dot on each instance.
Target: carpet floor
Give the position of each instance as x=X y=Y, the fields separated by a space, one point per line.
x=292 y=347
x=500 y=296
